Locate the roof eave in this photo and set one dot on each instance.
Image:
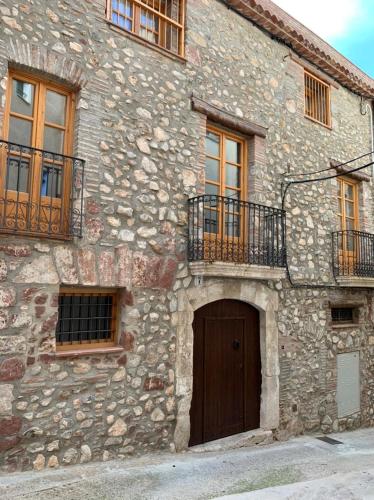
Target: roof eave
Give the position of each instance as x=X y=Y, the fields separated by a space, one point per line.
x=305 y=43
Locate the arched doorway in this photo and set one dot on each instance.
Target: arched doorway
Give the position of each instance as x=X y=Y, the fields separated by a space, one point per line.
x=226 y=371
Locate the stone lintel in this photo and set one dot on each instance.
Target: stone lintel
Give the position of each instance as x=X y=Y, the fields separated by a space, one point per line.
x=227 y=119
x=233 y=270
x=360 y=175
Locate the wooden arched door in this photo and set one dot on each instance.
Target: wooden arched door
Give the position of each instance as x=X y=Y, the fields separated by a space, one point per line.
x=226 y=371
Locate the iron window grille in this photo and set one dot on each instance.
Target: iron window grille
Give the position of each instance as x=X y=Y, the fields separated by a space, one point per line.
x=160 y=22
x=342 y=314
x=317 y=100
x=86 y=318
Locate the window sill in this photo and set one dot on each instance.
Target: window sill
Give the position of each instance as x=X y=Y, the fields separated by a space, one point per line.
x=345 y=325
x=40 y=235
x=75 y=353
x=146 y=43
x=329 y=127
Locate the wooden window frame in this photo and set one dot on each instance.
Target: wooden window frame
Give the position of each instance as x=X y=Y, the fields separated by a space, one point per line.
x=347 y=255
x=319 y=109
x=41 y=87
x=93 y=346
x=222 y=160
x=223 y=134
x=341 y=206
x=163 y=20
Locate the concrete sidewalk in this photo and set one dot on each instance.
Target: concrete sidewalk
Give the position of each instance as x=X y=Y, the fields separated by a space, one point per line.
x=358 y=485
x=301 y=468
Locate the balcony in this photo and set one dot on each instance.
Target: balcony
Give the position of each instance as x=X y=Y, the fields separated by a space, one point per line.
x=234 y=238
x=40 y=192
x=353 y=258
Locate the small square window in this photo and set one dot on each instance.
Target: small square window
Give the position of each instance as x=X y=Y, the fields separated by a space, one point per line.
x=87 y=318
x=343 y=315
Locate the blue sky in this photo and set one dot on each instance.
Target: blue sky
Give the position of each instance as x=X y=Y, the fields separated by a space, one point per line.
x=348 y=25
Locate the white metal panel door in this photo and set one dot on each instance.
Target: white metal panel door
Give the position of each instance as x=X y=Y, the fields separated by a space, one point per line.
x=348 y=383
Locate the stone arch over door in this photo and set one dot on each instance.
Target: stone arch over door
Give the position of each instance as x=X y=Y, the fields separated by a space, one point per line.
x=265 y=301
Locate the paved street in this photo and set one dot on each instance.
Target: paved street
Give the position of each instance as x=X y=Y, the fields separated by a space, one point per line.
x=301 y=468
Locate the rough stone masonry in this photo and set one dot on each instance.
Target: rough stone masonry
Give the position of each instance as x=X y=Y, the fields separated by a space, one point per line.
x=144 y=150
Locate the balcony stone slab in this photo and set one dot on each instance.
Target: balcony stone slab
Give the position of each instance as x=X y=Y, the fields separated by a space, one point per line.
x=234 y=270
x=356 y=281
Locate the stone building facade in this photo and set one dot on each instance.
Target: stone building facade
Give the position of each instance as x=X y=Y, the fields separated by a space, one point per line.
x=140 y=124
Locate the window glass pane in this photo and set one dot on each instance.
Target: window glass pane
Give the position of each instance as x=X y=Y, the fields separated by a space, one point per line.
x=17 y=174
x=350 y=242
x=125 y=23
x=149 y=27
x=212 y=169
x=22 y=98
x=55 y=108
x=122 y=14
x=148 y=35
x=20 y=131
x=350 y=224
x=51 y=181
x=211 y=189
x=53 y=140
x=233 y=151
x=149 y=20
x=212 y=144
x=211 y=221
x=232 y=175
x=232 y=225
x=125 y=8
x=349 y=191
x=233 y=194
x=349 y=209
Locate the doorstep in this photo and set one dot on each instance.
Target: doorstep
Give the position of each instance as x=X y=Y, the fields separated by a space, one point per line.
x=243 y=440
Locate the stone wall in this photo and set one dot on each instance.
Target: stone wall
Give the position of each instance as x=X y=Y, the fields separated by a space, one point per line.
x=144 y=148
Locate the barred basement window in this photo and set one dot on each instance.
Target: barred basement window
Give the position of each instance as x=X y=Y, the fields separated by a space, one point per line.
x=341 y=315
x=86 y=319
x=317 y=100
x=160 y=22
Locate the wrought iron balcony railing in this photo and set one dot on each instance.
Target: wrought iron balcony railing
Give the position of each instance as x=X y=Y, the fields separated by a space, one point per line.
x=353 y=254
x=231 y=230
x=41 y=193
